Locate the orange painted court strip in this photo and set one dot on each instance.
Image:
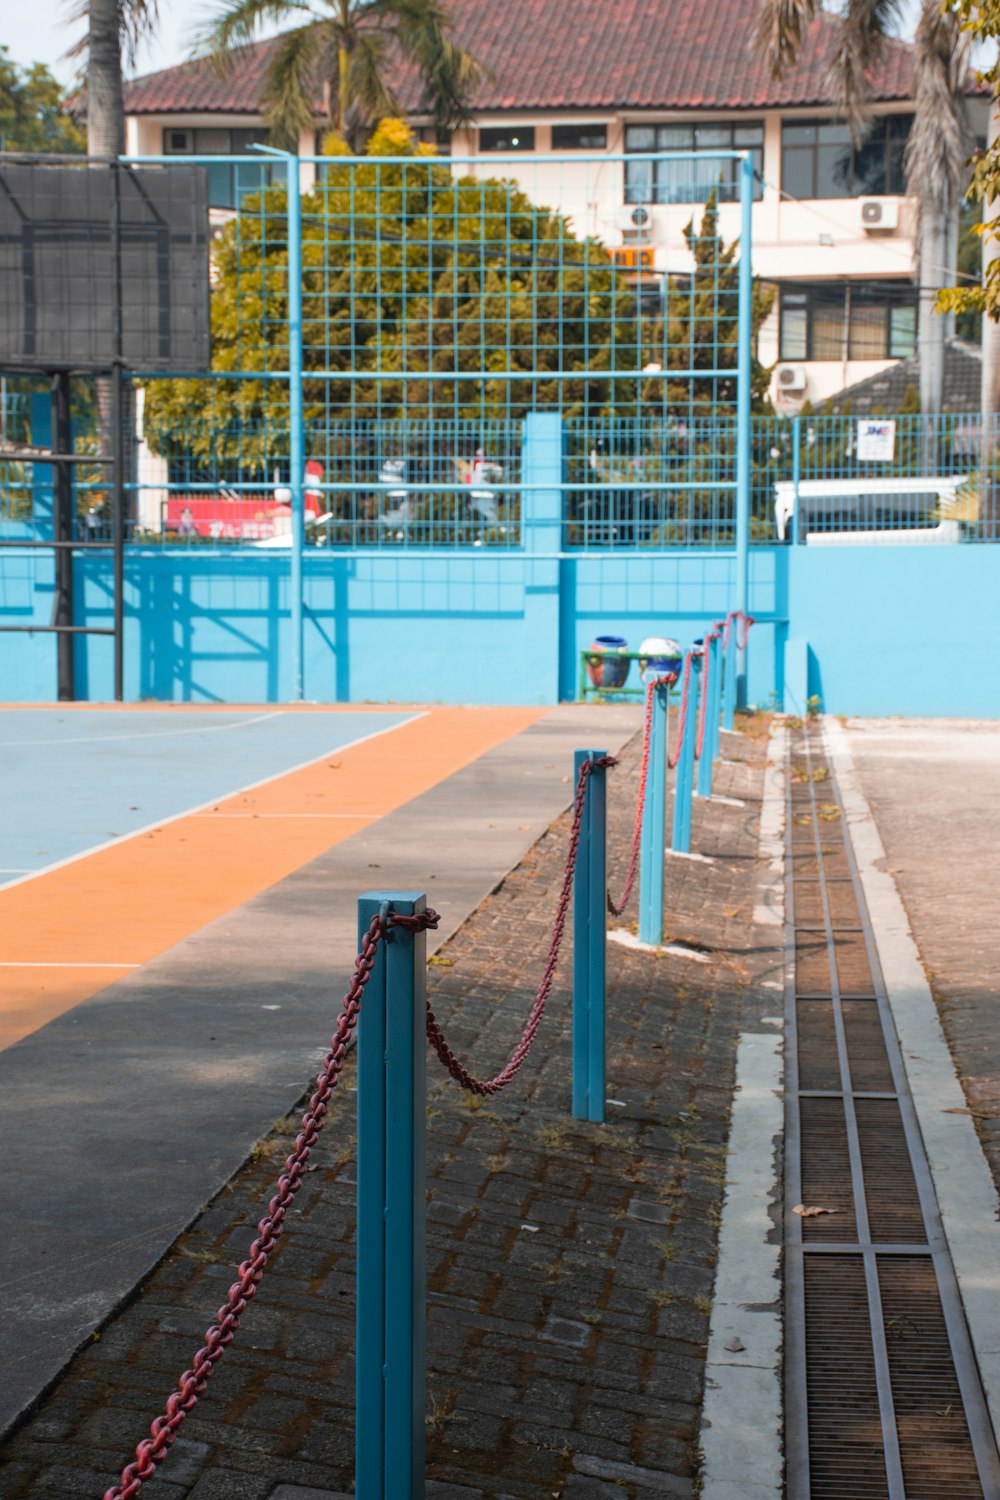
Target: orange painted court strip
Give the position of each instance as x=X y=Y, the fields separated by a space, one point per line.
x=121 y=906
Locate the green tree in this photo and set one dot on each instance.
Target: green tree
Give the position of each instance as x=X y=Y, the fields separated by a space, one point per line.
x=406 y=272
x=33 y=116
x=350 y=49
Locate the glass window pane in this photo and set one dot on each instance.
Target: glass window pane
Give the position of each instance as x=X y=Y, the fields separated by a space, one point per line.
x=867 y=336
x=674 y=138
x=797 y=171
x=902 y=332
x=798 y=135
x=748 y=135
x=794 y=342
x=833 y=133
x=212 y=142
x=827 y=323
x=220 y=185
x=177 y=140
x=242 y=141
x=507 y=138
x=640 y=138
x=638 y=182
x=833 y=171
x=869 y=168
x=579 y=137
x=707 y=136
x=895 y=176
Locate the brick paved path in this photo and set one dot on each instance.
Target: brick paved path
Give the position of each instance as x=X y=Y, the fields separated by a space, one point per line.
x=570 y=1266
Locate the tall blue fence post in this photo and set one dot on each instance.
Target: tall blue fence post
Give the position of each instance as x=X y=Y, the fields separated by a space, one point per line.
x=296 y=421
x=590 y=887
x=684 y=774
x=542 y=478
x=654 y=817
x=391 y=1249
x=711 y=687
x=729 y=680
x=744 y=365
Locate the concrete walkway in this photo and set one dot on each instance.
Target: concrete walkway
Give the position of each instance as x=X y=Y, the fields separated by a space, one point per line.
x=934 y=790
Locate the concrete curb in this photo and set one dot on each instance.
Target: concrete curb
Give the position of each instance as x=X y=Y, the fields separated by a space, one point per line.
x=742 y=1413
x=964 y=1185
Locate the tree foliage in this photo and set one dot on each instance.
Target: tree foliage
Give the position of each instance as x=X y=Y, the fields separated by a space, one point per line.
x=410 y=271
x=350 y=50
x=981 y=22
x=33 y=116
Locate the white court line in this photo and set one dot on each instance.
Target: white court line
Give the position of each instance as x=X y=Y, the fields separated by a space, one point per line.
x=5 y=965
x=72 y=859
x=159 y=734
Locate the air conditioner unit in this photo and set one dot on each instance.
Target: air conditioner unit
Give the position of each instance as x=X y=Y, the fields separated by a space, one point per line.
x=638 y=225
x=879 y=215
x=791 y=379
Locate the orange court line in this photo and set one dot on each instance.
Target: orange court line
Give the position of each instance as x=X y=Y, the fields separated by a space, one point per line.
x=126 y=903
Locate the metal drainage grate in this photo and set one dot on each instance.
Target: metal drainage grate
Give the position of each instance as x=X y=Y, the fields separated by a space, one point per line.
x=883 y=1400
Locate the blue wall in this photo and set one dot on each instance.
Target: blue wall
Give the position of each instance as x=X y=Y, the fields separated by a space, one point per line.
x=890 y=630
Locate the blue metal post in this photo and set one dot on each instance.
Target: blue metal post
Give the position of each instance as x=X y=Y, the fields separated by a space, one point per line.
x=296 y=420
x=744 y=361
x=710 y=749
x=391 y=1247
x=653 y=841
x=729 y=680
x=589 y=927
x=715 y=722
x=684 y=774
x=799 y=532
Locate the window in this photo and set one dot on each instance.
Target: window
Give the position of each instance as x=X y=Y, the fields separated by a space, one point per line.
x=436 y=136
x=579 y=137
x=819 y=161
x=653 y=181
x=507 y=138
x=857 y=320
x=228 y=182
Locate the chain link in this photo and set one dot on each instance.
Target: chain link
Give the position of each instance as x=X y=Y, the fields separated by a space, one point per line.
x=151 y=1452
x=617 y=908
x=706 y=667
x=461 y=1075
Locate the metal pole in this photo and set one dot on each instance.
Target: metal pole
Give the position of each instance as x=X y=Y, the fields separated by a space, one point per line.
x=710 y=687
x=118 y=439
x=62 y=531
x=390 y=1347
x=684 y=775
x=729 y=677
x=653 y=841
x=744 y=362
x=589 y=939
x=715 y=723
x=799 y=531
x=296 y=446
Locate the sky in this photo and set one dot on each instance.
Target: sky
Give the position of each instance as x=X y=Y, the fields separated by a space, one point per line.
x=38 y=32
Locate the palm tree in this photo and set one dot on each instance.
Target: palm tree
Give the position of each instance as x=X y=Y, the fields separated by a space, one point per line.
x=348 y=48
x=939 y=141
x=113 y=27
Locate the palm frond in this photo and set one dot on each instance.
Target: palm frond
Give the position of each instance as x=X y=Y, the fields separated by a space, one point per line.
x=450 y=74
x=236 y=25
x=864 y=27
x=781 y=25
x=370 y=94
x=137 y=20
x=940 y=141
x=288 y=92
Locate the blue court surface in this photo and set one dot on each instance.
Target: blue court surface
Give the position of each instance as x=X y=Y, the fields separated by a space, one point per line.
x=76 y=780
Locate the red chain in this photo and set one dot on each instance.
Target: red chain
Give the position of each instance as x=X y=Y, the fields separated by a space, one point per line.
x=682 y=715
x=741 y=620
x=151 y=1452
x=616 y=909
x=500 y=1080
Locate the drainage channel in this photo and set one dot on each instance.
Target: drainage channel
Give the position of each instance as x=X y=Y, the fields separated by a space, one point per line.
x=882 y=1394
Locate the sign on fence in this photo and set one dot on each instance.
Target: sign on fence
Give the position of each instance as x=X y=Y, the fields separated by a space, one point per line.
x=876 y=440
